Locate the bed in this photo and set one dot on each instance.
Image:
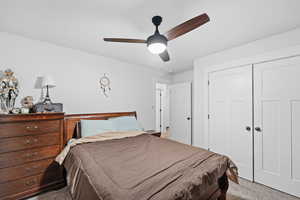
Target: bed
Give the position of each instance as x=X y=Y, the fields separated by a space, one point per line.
x=141 y=166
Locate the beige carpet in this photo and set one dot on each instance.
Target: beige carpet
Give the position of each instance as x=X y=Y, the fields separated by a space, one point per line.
x=244 y=191
x=247 y=190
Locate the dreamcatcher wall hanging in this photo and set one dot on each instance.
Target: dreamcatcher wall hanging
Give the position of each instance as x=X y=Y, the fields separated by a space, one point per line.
x=105 y=85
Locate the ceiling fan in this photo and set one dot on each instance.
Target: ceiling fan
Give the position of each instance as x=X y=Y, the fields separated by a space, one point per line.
x=157 y=43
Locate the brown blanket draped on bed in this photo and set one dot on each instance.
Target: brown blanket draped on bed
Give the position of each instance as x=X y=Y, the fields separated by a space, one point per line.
x=143 y=167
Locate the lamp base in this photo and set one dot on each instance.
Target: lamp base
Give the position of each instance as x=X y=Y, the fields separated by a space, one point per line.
x=47 y=101
x=46 y=107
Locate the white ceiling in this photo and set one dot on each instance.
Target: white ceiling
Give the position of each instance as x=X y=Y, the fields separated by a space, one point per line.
x=81 y=24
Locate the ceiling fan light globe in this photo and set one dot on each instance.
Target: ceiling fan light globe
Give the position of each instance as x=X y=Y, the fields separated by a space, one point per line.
x=157 y=48
x=157 y=43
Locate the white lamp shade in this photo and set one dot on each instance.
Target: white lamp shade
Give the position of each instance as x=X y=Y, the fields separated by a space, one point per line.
x=38 y=82
x=48 y=81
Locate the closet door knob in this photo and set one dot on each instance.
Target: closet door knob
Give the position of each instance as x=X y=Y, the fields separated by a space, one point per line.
x=258 y=129
x=248 y=128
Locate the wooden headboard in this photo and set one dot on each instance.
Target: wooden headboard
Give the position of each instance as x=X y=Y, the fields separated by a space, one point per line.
x=70 y=121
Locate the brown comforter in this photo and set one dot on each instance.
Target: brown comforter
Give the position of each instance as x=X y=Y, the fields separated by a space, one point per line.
x=143 y=167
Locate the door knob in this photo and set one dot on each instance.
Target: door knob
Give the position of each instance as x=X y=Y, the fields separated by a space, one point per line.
x=188 y=118
x=248 y=128
x=258 y=129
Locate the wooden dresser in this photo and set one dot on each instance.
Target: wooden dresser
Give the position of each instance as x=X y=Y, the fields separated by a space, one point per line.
x=28 y=146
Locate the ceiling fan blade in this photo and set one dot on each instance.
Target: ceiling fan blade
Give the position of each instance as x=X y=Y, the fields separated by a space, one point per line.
x=187 y=26
x=124 y=40
x=165 y=56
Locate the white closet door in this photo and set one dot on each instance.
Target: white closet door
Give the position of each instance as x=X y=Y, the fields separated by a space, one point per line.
x=230 y=113
x=277 y=122
x=180 y=112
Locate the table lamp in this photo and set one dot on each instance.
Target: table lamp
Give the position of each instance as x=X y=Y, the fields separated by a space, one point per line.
x=48 y=82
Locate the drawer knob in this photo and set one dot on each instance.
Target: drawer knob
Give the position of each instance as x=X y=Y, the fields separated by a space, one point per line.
x=29 y=169
x=31 y=182
x=30 y=155
x=32 y=127
x=29 y=141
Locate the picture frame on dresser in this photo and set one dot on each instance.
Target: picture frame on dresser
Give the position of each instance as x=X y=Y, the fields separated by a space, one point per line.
x=28 y=145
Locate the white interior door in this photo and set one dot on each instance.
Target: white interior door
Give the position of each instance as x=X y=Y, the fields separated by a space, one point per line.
x=180 y=112
x=230 y=116
x=277 y=122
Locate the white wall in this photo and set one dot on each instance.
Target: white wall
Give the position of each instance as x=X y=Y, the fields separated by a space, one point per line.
x=248 y=53
x=77 y=75
x=185 y=76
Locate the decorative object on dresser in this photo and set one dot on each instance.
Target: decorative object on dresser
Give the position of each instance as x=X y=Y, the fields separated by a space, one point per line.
x=48 y=82
x=28 y=145
x=47 y=108
x=105 y=84
x=15 y=111
x=38 y=85
x=9 y=91
x=46 y=105
x=27 y=104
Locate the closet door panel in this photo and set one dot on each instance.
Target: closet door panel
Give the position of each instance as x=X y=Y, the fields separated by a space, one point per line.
x=270 y=140
x=230 y=109
x=218 y=124
x=295 y=107
x=277 y=114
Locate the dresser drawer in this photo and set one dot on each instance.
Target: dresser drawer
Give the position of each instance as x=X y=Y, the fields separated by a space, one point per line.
x=28 y=142
x=21 y=157
x=11 y=189
x=28 y=169
x=29 y=128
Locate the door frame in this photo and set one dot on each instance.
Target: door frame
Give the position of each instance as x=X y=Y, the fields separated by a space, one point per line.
x=163 y=107
x=153 y=106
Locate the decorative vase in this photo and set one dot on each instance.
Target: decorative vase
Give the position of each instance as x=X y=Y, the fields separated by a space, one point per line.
x=9 y=91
